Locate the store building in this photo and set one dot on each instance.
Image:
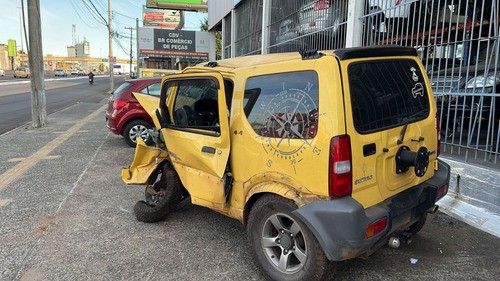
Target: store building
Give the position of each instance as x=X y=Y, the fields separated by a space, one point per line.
x=458 y=42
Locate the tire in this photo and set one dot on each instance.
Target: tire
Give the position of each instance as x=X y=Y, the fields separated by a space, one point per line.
x=285 y=236
x=416 y=227
x=156 y=208
x=134 y=129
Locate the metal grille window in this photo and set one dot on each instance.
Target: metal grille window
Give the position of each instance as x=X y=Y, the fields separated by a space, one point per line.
x=386 y=94
x=248 y=28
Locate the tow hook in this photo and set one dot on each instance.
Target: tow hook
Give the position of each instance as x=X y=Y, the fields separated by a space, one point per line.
x=398 y=238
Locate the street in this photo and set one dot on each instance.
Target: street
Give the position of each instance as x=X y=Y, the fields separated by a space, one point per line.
x=15 y=99
x=66 y=215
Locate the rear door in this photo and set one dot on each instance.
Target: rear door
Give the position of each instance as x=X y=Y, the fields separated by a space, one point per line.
x=392 y=117
x=198 y=138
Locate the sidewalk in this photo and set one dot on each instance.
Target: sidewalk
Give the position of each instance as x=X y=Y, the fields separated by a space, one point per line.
x=473 y=196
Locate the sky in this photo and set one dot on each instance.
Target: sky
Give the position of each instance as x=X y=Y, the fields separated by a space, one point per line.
x=58 y=16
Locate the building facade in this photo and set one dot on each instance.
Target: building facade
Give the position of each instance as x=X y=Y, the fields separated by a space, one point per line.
x=457 y=40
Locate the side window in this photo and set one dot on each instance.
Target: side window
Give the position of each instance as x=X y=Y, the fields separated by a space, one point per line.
x=153 y=89
x=283 y=105
x=196 y=104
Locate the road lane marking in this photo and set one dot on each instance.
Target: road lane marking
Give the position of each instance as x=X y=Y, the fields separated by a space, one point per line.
x=4 y=202
x=49 y=157
x=13 y=173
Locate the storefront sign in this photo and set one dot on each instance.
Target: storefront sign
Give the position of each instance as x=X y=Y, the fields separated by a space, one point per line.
x=155 y=42
x=188 y=5
x=160 y=17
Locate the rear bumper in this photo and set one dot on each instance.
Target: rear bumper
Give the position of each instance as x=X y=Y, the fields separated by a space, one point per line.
x=340 y=224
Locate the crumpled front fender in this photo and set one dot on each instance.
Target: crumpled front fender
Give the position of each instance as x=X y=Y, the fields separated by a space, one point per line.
x=146 y=159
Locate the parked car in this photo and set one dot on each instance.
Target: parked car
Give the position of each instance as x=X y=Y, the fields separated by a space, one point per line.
x=321 y=15
x=470 y=104
x=74 y=72
x=125 y=116
x=22 y=72
x=2 y=72
x=322 y=157
x=60 y=72
x=81 y=72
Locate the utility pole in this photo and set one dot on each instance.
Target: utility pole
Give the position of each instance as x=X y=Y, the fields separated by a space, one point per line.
x=111 y=64
x=137 y=45
x=130 y=66
x=21 y=26
x=24 y=27
x=35 y=54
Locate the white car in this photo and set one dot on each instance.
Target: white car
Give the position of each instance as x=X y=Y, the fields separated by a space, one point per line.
x=2 y=72
x=60 y=72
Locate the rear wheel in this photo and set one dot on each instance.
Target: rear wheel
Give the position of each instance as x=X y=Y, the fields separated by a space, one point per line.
x=160 y=198
x=137 y=129
x=282 y=245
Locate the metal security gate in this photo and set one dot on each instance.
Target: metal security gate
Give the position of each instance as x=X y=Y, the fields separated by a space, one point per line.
x=457 y=40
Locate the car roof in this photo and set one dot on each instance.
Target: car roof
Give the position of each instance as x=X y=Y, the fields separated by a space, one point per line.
x=349 y=53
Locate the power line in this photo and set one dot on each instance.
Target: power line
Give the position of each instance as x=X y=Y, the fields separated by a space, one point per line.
x=99 y=13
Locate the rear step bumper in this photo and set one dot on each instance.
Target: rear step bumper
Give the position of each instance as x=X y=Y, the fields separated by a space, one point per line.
x=340 y=224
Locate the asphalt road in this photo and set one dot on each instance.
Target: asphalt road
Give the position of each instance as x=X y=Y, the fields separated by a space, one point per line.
x=15 y=100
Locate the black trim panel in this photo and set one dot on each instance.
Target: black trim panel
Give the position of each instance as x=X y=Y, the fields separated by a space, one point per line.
x=375 y=51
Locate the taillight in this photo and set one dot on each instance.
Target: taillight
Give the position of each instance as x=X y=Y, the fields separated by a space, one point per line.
x=398 y=2
x=321 y=5
x=441 y=191
x=376 y=227
x=340 y=171
x=438 y=128
x=117 y=104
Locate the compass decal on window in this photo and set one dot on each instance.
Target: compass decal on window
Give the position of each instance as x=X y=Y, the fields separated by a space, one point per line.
x=283 y=111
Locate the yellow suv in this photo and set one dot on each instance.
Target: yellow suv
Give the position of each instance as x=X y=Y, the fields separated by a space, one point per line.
x=323 y=156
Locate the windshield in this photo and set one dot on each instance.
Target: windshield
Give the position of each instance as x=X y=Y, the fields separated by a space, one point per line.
x=386 y=94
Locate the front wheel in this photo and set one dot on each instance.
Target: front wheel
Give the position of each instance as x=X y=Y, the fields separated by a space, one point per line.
x=160 y=198
x=283 y=247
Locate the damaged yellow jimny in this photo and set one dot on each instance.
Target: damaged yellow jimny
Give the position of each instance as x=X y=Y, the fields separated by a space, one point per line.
x=323 y=156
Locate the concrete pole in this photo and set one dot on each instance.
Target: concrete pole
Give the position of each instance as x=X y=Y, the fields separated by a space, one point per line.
x=38 y=107
x=354 y=23
x=138 y=71
x=111 y=64
x=21 y=26
x=130 y=63
x=266 y=21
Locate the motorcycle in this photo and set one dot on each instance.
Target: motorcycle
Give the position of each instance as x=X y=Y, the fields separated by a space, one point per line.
x=91 y=80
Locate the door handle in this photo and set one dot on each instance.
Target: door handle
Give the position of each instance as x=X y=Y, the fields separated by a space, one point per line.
x=208 y=149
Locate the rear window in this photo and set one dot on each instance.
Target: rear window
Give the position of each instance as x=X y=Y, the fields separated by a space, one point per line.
x=387 y=94
x=121 y=89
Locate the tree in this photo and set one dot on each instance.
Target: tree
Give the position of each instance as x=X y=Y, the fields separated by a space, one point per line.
x=218 y=38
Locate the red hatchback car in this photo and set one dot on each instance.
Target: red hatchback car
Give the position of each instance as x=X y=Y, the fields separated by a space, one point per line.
x=125 y=116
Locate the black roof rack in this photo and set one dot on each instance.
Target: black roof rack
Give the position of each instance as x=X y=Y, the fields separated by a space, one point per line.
x=375 y=51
